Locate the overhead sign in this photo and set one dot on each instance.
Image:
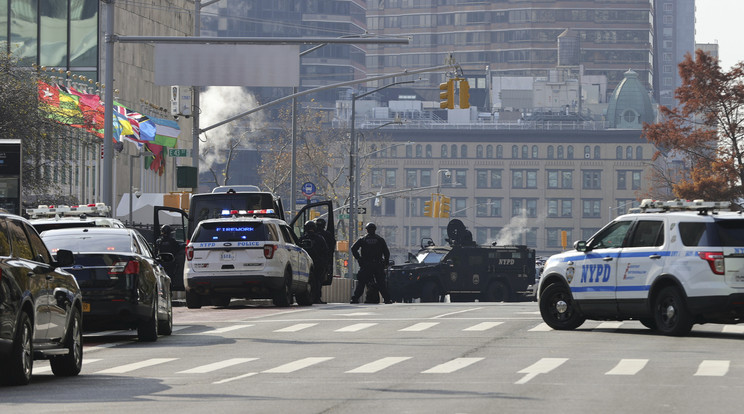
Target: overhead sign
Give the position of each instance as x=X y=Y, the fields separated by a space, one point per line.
x=179 y=152
x=360 y=210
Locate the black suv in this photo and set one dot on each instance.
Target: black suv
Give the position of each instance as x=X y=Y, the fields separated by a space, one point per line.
x=464 y=270
x=40 y=305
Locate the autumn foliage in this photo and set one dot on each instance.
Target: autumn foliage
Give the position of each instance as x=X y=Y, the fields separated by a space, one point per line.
x=700 y=141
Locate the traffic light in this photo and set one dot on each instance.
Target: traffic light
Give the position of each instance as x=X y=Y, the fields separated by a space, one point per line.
x=448 y=96
x=444 y=209
x=428 y=208
x=464 y=94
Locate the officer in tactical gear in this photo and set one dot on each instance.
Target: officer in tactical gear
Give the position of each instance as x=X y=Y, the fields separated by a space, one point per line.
x=167 y=244
x=316 y=247
x=330 y=239
x=372 y=254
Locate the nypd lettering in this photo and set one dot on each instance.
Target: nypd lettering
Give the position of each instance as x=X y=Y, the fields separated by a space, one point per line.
x=594 y=272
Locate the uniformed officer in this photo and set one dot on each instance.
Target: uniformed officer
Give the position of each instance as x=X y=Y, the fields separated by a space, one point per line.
x=316 y=247
x=167 y=244
x=330 y=239
x=373 y=260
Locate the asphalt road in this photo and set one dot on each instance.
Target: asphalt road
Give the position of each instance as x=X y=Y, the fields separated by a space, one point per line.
x=399 y=358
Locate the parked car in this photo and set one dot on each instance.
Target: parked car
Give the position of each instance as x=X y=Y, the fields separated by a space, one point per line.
x=40 y=305
x=122 y=281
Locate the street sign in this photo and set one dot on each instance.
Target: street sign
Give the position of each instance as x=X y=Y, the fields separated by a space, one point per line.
x=179 y=152
x=360 y=210
x=343 y=216
x=308 y=189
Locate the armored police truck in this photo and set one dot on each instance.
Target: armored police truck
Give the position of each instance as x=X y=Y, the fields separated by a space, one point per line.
x=464 y=270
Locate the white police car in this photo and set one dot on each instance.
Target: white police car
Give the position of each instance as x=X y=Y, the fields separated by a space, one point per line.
x=668 y=264
x=245 y=256
x=46 y=217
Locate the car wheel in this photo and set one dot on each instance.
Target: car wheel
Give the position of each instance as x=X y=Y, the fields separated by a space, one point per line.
x=496 y=292
x=193 y=301
x=166 y=327
x=558 y=308
x=430 y=292
x=221 y=301
x=20 y=362
x=283 y=295
x=147 y=331
x=649 y=323
x=671 y=314
x=305 y=297
x=70 y=365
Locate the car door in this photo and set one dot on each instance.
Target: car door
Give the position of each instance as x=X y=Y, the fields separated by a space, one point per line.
x=312 y=211
x=178 y=220
x=300 y=261
x=641 y=260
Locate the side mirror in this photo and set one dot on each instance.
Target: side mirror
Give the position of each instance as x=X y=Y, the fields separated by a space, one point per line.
x=580 y=246
x=65 y=258
x=165 y=257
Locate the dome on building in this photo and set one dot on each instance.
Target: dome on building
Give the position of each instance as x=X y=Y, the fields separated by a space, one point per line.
x=630 y=105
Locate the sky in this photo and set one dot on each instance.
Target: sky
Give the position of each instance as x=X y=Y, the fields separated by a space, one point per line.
x=720 y=21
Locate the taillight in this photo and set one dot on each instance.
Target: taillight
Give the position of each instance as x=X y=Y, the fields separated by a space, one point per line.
x=189 y=252
x=269 y=250
x=715 y=261
x=131 y=267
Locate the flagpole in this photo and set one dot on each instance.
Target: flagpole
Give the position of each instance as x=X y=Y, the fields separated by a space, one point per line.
x=108 y=102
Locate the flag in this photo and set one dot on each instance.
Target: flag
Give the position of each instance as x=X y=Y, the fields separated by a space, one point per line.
x=122 y=126
x=158 y=162
x=59 y=105
x=166 y=132
x=92 y=109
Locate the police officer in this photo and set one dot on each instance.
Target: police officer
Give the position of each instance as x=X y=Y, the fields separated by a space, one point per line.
x=316 y=247
x=167 y=244
x=373 y=260
x=330 y=239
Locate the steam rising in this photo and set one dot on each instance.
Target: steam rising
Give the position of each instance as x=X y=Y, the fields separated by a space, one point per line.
x=518 y=225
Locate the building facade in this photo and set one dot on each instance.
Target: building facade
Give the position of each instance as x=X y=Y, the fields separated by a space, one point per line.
x=674 y=35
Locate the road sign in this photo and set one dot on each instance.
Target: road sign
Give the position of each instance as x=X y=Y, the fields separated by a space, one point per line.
x=179 y=152
x=360 y=210
x=343 y=216
x=308 y=189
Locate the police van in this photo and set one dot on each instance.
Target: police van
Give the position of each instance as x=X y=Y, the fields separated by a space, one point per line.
x=48 y=217
x=669 y=265
x=464 y=270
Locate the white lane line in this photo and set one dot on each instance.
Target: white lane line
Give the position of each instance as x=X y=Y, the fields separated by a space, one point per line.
x=378 y=365
x=216 y=365
x=42 y=370
x=733 y=329
x=609 y=325
x=122 y=369
x=543 y=327
x=225 y=329
x=296 y=327
x=181 y=327
x=89 y=349
x=107 y=333
x=628 y=367
x=712 y=368
x=419 y=327
x=543 y=366
x=452 y=366
x=483 y=326
x=297 y=365
x=444 y=315
x=250 y=374
x=356 y=327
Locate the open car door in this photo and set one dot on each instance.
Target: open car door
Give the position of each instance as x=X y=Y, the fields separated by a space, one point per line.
x=178 y=220
x=313 y=211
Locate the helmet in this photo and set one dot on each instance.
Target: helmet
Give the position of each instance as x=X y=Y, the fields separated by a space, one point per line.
x=320 y=223
x=371 y=226
x=166 y=229
x=310 y=226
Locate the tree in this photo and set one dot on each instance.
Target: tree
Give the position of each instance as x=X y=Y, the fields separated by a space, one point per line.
x=702 y=138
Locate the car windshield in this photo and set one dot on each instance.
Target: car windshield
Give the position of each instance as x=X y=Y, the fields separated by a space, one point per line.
x=231 y=231
x=86 y=242
x=430 y=257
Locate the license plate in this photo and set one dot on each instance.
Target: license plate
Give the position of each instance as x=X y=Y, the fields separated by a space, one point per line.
x=227 y=256
x=86 y=307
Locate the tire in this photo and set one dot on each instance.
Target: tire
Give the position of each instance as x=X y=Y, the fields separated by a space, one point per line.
x=430 y=292
x=649 y=323
x=147 y=330
x=305 y=297
x=496 y=291
x=221 y=301
x=671 y=314
x=558 y=308
x=166 y=327
x=193 y=301
x=283 y=295
x=70 y=365
x=19 y=364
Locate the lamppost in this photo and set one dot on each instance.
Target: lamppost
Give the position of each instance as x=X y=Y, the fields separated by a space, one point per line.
x=354 y=171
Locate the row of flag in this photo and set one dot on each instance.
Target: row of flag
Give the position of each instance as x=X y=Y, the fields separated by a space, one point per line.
x=82 y=110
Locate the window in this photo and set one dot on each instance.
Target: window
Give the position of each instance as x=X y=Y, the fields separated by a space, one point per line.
x=525 y=152
x=425 y=178
x=560 y=179
x=553 y=236
x=486 y=235
x=409 y=151
x=499 y=151
x=463 y=151
x=487 y=207
x=411 y=178
x=560 y=207
x=21 y=246
x=639 y=152
x=551 y=152
x=591 y=179
x=428 y=151
x=635 y=183
x=524 y=178
x=515 y=151
x=591 y=208
x=390 y=177
x=479 y=151
x=587 y=152
x=461 y=178
x=621 y=179
x=597 y=154
x=560 y=152
x=488 y=178
x=419 y=151
x=623 y=204
x=629 y=152
x=526 y=207
x=535 y=151
x=489 y=151
x=570 y=152
x=619 y=152
x=453 y=151
x=376 y=177
x=611 y=236
x=647 y=233
x=458 y=207
x=414 y=235
x=444 y=151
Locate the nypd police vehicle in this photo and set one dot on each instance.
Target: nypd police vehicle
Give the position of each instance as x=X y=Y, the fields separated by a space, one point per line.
x=46 y=217
x=669 y=265
x=248 y=254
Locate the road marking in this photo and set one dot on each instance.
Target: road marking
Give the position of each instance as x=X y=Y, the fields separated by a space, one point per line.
x=358 y=314
x=609 y=325
x=543 y=366
x=378 y=365
x=43 y=370
x=297 y=327
x=250 y=374
x=356 y=327
x=89 y=349
x=483 y=326
x=217 y=365
x=108 y=333
x=628 y=367
x=181 y=327
x=297 y=365
x=419 y=327
x=452 y=366
x=712 y=368
x=137 y=365
x=733 y=329
x=225 y=329
x=455 y=313
x=543 y=327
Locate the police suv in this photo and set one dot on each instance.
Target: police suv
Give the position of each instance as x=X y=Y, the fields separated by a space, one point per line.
x=667 y=264
x=248 y=254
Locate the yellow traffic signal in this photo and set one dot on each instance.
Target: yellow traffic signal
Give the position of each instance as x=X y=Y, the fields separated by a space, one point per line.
x=448 y=96
x=428 y=208
x=464 y=94
x=444 y=210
